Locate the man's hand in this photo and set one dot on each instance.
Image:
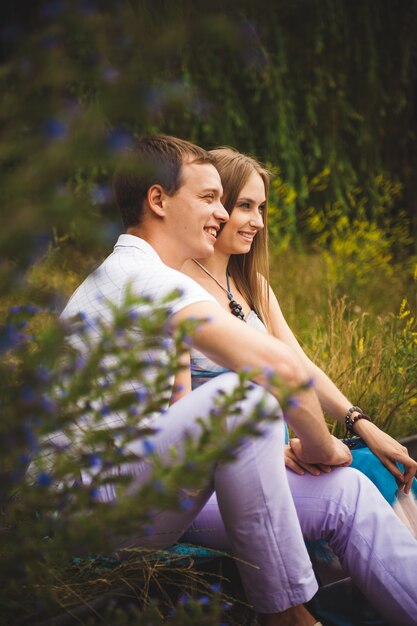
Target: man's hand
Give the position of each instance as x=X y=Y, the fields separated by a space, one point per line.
x=338 y=455
x=297 y=466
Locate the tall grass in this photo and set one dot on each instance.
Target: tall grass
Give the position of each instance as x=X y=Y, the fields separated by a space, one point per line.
x=366 y=341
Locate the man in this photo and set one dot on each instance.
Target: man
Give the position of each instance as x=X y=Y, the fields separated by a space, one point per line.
x=172 y=211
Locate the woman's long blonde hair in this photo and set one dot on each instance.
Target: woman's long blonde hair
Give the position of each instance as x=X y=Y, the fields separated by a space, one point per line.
x=235 y=169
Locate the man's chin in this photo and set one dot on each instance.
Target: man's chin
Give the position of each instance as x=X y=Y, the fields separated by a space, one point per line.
x=205 y=252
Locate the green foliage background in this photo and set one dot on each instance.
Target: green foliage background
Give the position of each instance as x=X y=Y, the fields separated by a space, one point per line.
x=323 y=91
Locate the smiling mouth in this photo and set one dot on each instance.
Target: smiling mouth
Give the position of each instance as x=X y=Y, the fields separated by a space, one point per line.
x=211 y=231
x=247 y=236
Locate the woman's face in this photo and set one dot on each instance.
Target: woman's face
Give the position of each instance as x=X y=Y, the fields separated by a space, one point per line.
x=246 y=219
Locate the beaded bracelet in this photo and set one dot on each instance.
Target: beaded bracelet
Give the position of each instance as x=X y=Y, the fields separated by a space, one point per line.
x=351 y=421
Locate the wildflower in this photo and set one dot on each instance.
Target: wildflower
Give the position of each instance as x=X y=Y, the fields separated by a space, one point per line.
x=44 y=479
x=94 y=493
x=110 y=74
x=94 y=460
x=43 y=374
x=105 y=410
x=204 y=600
x=185 y=504
x=27 y=394
x=54 y=128
x=269 y=372
x=47 y=404
x=119 y=140
x=404 y=311
x=184 y=599
x=216 y=587
x=142 y=395
x=148 y=446
x=292 y=403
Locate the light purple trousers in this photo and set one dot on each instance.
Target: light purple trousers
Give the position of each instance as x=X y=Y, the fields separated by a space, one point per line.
x=261 y=512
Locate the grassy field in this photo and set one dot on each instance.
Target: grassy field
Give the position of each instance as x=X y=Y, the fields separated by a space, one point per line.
x=363 y=335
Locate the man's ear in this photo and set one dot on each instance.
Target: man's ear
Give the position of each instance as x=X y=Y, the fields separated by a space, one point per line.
x=155 y=198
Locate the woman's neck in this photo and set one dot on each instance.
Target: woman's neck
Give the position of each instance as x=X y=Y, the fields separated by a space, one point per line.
x=216 y=265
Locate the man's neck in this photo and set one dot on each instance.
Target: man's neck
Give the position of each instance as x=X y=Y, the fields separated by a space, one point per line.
x=168 y=253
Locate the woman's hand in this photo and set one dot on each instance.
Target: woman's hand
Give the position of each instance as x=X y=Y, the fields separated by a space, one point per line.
x=297 y=466
x=389 y=451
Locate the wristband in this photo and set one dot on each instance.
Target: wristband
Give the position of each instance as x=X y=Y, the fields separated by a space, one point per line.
x=351 y=421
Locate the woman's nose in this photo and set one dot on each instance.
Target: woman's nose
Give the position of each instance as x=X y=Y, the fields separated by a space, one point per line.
x=257 y=221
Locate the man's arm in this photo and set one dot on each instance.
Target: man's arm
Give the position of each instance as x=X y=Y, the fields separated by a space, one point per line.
x=235 y=345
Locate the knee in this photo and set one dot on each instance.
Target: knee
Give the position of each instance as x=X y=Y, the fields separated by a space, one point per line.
x=350 y=488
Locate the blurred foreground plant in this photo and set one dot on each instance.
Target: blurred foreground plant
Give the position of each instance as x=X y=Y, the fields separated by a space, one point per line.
x=71 y=405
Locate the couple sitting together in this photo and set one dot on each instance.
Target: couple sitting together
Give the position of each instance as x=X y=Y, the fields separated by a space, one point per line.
x=196 y=221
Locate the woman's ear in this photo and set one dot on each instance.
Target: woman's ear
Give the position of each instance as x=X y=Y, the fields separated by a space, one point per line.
x=155 y=198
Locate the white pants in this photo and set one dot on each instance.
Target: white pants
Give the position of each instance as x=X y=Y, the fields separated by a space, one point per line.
x=261 y=512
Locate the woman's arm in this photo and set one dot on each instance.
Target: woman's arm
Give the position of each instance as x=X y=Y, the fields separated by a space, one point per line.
x=182 y=382
x=335 y=403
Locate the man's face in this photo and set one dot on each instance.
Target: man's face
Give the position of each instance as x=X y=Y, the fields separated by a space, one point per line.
x=194 y=213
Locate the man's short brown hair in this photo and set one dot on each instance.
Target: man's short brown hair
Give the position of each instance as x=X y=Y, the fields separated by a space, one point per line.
x=155 y=159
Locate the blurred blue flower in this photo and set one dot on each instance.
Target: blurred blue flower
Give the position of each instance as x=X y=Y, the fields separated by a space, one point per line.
x=268 y=371
x=55 y=129
x=101 y=194
x=216 y=587
x=79 y=363
x=133 y=315
x=44 y=479
x=27 y=394
x=94 y=493
x=184 y=599
x=94 y=460
x=186 y=504
x=31 y=438
x=105 y=410
x=119 y=140
x=142 y=395
x=148 y=446
x=10 y=337
x=110 y=74
x=47 y=404
x=204 y=600
x=292 y=403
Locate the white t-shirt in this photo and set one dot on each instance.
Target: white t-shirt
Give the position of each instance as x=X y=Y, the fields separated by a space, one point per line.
x=133 y=265
x=136 y=264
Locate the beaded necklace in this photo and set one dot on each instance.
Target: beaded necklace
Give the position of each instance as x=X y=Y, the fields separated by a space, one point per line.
x=235 y=307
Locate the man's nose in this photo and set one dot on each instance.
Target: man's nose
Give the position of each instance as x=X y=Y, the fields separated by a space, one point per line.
x=220 y=212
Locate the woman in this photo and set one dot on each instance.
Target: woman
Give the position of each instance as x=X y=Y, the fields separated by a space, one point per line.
x=238 y=271
x=237 y=276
